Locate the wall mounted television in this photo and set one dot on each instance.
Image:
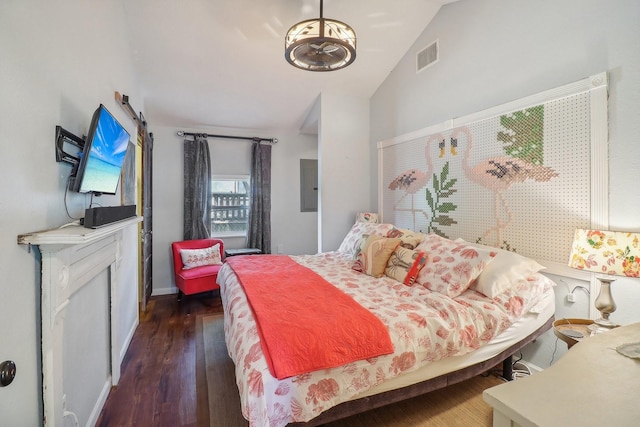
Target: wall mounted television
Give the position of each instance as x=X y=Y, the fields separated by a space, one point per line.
x=100 y=163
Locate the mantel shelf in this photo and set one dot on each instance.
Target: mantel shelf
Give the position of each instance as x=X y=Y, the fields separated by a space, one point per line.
x=74 y=235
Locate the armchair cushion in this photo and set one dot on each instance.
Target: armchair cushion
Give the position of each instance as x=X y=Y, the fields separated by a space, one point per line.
x=196 y=272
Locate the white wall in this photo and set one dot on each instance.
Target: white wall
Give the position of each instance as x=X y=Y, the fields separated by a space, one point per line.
x=343 y=155
x=59 y=61
x=293 y=232
x=344 y=165
x=495 y=51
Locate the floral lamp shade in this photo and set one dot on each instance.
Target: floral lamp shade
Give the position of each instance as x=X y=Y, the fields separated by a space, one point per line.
x=612 y=253
x=608 y=252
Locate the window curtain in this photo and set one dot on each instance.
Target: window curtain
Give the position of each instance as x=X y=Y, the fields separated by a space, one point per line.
x=259 y=227
x=197 y=189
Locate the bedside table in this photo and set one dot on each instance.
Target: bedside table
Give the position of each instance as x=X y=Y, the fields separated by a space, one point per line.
x=563 y=329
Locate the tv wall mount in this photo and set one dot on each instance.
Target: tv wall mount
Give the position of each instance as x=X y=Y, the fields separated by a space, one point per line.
x=64 y=137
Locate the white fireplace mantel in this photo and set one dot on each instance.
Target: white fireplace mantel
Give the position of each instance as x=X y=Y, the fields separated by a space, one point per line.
x=71 y=257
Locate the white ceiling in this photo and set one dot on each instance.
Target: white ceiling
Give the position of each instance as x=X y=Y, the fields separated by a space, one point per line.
x=220 y=63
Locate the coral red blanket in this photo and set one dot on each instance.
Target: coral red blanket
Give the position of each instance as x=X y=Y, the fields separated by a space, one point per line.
x=305 y=323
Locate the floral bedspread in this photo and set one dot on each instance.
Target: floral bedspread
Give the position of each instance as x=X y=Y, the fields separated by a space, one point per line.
x=425 y=326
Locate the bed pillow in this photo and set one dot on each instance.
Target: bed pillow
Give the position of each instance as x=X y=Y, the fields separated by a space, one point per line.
x=198 y=257
x=505 y=271
x=374 y=254
x=405 y=264
x=367 y=217
x=451 y=266
x=410 y=239
x=354 y=236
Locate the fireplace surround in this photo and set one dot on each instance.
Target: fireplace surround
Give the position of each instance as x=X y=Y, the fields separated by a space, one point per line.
x=73 y=258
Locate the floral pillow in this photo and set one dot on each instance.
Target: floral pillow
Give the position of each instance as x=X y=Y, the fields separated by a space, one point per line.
x=410 y=239
x=374 y=254
x=367 y=217
x=354 y=236
x=451 y=266
x=198 y=257
x=405 y=264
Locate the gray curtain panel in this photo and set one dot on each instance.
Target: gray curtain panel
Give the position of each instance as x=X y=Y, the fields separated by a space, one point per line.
x=259 y=232
x=197 y=189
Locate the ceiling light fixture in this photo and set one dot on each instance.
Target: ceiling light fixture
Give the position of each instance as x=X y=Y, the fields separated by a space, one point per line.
x=320 y=44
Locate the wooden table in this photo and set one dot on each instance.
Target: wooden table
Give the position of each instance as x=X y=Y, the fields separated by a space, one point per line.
x=563 y=327
x=591 y=385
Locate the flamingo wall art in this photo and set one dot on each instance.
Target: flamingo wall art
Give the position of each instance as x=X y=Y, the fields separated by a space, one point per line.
x=521 y=176
x=433 y=196
x=439 y=207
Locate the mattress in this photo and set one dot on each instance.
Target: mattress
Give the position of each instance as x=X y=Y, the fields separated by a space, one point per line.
x=432 y=334
x=522 y=327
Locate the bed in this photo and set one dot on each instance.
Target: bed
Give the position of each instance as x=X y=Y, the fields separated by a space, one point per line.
x=438 y=339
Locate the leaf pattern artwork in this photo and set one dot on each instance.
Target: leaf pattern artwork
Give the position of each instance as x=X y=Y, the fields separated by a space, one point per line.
x=443 y=188
x=523 y=134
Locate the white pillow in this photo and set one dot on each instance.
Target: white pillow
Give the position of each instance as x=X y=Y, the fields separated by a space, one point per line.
x=504 y=271
x=198 y=257
x=352 y=240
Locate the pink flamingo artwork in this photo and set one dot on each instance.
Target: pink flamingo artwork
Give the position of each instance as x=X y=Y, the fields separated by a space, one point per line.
x=411 y=181
x=498 y=174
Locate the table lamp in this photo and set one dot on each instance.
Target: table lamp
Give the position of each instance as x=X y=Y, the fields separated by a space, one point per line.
x=611 y=253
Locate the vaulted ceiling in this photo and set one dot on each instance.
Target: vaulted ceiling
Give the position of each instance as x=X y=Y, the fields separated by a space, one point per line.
x=220 y=63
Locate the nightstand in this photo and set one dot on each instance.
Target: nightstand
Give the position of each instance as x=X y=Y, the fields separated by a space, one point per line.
x=566 y=329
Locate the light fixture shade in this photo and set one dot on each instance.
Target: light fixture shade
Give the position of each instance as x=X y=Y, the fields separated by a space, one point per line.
x=607 y=252
x=320 y=44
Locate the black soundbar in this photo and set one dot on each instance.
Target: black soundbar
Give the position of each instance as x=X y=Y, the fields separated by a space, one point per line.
x=99 y=217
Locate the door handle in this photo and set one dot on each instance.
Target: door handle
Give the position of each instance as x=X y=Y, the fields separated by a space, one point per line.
x=7 y=372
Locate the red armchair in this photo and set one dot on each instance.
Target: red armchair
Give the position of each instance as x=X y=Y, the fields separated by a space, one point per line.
x=196 y=279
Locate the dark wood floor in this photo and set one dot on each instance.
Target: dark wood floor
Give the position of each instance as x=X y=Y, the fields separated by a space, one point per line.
x=158 y=383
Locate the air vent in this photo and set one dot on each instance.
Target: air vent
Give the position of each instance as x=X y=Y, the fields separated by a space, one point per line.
x=427 y=56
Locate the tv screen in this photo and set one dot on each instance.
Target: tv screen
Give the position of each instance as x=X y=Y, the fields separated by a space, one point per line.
x=102 y=156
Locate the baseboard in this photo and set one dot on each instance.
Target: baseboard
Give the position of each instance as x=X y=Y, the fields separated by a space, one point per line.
x=127 y=341
x=97 y=409
x=164 y=291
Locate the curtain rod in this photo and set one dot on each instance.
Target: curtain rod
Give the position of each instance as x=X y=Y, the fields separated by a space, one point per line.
x=248 y=138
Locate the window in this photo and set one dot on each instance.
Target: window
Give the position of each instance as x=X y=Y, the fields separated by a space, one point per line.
x=229 y=205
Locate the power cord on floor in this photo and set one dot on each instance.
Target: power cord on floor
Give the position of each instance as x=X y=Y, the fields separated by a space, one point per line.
x=519 y=369
x=553 y=355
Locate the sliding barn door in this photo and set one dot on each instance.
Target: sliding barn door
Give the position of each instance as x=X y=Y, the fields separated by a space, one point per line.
x=147 y=223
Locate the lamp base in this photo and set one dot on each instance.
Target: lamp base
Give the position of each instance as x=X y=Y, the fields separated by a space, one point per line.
x=605 y=323
x=605 y=304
